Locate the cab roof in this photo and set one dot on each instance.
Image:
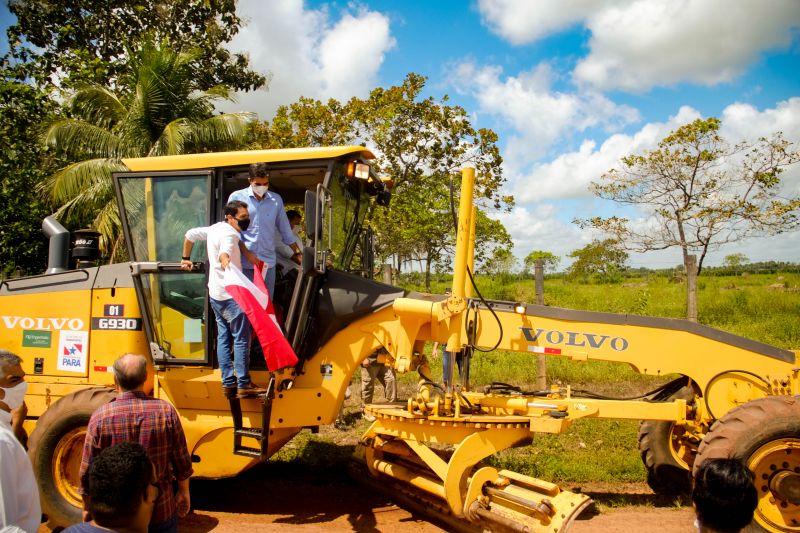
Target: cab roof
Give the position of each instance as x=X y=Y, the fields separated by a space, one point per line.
x=247 y=157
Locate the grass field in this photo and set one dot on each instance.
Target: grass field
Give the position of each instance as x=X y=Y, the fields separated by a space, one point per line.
x=764 y=307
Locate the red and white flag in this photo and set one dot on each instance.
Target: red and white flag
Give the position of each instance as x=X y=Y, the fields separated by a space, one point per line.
x=254 y=300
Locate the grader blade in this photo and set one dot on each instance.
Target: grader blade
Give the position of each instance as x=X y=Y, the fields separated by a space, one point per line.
x=438 y=461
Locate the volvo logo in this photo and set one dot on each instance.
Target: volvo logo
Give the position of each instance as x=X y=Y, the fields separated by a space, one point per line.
x=38 y=323
x=575 y=338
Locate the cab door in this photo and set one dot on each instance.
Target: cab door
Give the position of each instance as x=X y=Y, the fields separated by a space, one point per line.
x=156 y=209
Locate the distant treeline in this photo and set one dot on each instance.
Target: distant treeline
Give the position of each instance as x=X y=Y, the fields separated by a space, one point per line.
x=415 y=279
x=763 y=267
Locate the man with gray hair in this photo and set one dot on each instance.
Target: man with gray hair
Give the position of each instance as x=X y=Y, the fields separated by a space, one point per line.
x=136 y=417
x=19 y=497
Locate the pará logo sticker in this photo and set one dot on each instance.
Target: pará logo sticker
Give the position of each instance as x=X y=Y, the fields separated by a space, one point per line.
x=72 y=349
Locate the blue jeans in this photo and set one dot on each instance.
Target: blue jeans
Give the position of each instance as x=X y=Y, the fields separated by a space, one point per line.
x=232 y=323
x=269 y=278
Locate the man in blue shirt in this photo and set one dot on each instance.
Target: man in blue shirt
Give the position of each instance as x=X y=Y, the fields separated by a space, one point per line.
x=266 y=215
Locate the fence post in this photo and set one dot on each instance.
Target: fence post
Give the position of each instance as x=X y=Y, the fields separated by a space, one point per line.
x=538 y=276
x=541 y=362
x=691 y=288
x=387 y=273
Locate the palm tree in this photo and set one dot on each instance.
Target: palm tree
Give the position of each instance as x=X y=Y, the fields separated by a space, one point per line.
x=156 y=110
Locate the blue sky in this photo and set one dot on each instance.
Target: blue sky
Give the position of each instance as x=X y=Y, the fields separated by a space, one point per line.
x=570 y=86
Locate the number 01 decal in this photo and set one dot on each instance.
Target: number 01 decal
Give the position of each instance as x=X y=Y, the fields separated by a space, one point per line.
x=134 y=324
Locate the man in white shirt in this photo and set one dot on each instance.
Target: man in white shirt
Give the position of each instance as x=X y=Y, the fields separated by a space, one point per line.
x=20 y=509
x=223 y=246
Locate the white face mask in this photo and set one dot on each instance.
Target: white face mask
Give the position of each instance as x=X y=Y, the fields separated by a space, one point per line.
x=296 y=230
x=15 y=395
x=260 y=190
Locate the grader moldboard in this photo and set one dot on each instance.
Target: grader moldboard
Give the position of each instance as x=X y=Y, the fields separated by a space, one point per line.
x=731 y=396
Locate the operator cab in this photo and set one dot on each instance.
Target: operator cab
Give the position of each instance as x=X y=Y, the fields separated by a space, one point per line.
x=334 y=188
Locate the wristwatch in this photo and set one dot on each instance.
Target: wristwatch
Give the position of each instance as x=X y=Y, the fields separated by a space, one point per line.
x=186 y=258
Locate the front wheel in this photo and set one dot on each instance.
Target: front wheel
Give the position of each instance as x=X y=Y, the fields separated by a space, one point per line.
x=765 y=434
x=666 y=452
x=56 y=447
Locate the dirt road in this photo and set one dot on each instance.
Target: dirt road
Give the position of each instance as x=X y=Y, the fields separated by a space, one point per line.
x=271 y=498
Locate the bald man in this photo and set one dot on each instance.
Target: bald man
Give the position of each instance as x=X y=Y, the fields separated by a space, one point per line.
x=136 y=417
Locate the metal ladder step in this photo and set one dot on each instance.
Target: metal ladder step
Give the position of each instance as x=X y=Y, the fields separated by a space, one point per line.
x=247 y=452
x=260 y=434
x=255 y=433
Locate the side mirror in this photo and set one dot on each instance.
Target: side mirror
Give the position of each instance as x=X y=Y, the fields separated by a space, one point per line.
x=383 y=198
x=310 y=209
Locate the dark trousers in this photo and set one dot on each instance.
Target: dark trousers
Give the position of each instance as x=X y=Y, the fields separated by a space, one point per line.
x=170 y=526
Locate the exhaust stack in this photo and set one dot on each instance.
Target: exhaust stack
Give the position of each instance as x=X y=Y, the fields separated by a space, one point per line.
x=58 y=252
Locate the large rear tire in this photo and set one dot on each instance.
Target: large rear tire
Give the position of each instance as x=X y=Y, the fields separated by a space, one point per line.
x=55 y=448
x=765 y=434
x=665 y=453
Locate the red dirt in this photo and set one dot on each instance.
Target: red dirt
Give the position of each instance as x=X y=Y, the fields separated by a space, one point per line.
x=262 y=501
x=265 y=500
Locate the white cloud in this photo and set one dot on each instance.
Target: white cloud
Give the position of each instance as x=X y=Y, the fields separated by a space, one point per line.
x=525 y=21
x=569 y=175
x=649 y=43
x=639 y=44
x=365 y=37
x=766 y=248
x=536 y=224
x=537 y=227
x=308 y=54
x=744 y=121
x=540 y=115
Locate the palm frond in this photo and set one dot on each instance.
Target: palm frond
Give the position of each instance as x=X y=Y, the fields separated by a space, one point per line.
x=81 y=188
x=173 y=138
x=77 y=138
x=226 y=130
x=147 y=112
x=220 y=92
x=97 y=105
x=108 y=224
x=159 y=111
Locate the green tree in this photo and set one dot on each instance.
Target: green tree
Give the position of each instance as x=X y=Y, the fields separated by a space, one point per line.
x=604 y=260
x=161 y=111
x=549 y=259
x=421 y=144
x=308 y=122
x=72 y=42
x=502 y=261
x=22 y=109
x=490 y=235
x=700 y=192
x=735 y=261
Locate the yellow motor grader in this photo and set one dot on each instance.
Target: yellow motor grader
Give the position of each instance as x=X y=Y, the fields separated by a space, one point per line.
x=730 y=396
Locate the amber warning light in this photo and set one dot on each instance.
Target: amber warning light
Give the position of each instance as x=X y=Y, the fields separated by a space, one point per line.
x=357 y=170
